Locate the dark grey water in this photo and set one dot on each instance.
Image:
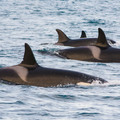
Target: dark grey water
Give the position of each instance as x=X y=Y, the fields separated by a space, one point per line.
x=34 y=22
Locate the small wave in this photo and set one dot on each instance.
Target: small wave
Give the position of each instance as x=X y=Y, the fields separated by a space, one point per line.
x=97 y=21
x=98 y=83
x=46 y=44
x=47 y=51
x=109 y=83
x=113 y=83
x=88 y=114
x=51 y=52
x=117 y=44
x=63 y=97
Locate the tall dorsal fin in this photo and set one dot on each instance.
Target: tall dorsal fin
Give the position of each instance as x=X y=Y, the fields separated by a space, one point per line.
x=102 y=41
x=62 y=36
x=83 y=34
x=28 y=59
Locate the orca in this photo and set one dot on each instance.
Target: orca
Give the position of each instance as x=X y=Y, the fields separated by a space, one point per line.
x=82 y=41
x=100 y=52
x=28 y=72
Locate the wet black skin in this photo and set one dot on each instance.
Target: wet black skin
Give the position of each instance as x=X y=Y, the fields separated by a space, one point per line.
x=107 y=55
x=100 y=52
x=44 y=77
x=47 y=77
x=83 y=42
x=78 y=53
x=110 y=55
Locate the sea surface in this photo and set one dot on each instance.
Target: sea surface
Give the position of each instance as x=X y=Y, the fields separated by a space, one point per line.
x=34 y=22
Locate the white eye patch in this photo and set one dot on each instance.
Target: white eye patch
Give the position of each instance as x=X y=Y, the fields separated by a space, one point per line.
x=83 y=83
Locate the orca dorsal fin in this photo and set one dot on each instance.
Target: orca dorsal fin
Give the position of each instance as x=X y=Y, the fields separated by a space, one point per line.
x=83 y=34
x=28 y=59
x=102 y=41
x=62 y=36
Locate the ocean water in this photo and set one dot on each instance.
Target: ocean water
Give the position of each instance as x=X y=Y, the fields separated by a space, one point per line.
x=34 y=22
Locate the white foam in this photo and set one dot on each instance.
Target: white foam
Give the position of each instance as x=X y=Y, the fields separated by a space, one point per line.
x=99 y=83
x=96 y=82
x=109 y=83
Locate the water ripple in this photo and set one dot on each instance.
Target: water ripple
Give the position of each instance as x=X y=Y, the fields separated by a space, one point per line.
x=34 y=22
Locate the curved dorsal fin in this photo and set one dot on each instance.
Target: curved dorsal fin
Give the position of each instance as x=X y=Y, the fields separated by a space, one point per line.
x=62 y=36
x=28 y=59
x=102 y=41
x=83 y=34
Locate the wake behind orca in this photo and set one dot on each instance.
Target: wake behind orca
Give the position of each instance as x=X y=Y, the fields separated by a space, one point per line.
x=28 y=72
x=100 y=52
x=82 y=41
